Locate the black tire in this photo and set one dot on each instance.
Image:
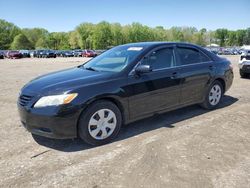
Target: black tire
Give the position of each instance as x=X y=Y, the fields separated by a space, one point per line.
x=207 y=104
x=243 y=75
x=83 y=129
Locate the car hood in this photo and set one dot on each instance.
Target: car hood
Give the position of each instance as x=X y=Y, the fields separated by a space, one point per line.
x=65 y=80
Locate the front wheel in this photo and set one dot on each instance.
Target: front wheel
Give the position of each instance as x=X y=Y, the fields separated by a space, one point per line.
x=100 y=123
x=242 y=74
x=213 y=96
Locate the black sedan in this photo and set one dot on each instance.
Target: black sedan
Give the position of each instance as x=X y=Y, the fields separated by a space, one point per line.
x=124 y=84
x=67 y=54
x=47 y=54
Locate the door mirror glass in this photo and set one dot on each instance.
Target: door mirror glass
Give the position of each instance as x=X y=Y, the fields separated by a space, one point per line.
x=143 y=69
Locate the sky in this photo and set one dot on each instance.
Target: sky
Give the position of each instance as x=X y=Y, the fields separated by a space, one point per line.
x=65 y=15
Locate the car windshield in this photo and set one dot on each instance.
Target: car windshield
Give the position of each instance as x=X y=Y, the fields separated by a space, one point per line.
x=115 y=59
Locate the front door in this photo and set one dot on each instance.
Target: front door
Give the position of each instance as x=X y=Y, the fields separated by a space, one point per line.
x=156 y=90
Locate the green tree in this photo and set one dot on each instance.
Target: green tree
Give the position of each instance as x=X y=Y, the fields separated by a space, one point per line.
x=8 y=31
x=199 y=37
x=105 y=34
x=232 y=38
x=21 y=42
x=246 y=39
x=41 y=43
x=74 y=40
x=176 y=34
x=117 y=34
x=160 y=34
x=35 y=34
x=85 y=31
x=221 y=35
x=140 y=33
x=240 y=34
x=58 y=41
x=102 y=36
x=188 y=33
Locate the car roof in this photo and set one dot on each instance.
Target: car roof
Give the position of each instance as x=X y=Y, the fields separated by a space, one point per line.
x=151 y=44
x=156 y=44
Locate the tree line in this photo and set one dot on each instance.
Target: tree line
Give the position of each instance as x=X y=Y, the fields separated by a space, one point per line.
x=104 y=35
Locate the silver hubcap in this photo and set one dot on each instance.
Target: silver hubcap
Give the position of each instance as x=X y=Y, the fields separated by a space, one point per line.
x=215 y=95
x=102 y=124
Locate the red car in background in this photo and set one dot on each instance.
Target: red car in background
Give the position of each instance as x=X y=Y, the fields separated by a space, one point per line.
x=14 y=54
x=88 y=53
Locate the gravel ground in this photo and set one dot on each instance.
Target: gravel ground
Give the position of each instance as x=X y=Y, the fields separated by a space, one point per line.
x=190 y=147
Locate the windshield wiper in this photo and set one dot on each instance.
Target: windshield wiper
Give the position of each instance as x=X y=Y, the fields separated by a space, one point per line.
x=90 y=68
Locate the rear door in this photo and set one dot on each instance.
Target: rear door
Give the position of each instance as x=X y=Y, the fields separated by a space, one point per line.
x=156 y=90
x=196 y=70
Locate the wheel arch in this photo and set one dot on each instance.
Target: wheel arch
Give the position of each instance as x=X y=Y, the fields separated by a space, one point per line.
x=223 y=83
x=114 y=100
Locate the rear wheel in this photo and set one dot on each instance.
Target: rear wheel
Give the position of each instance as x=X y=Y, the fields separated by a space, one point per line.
x=213 y=96
x=100 y=123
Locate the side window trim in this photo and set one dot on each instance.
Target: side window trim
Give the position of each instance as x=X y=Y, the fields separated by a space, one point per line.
x=193 y=47
x=154 y=49
x=178 y=62
x=161 y=48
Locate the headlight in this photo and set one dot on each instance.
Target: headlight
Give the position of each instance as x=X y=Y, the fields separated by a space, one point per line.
x=55 y=100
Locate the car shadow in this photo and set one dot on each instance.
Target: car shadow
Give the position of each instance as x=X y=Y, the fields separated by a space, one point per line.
x=246 y=77
x=166 y=120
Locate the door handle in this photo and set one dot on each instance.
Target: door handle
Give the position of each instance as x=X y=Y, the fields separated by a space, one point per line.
x=174 y=75
x=211 y=67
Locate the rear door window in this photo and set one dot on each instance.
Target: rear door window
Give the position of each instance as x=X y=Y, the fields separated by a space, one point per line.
x=189 y=56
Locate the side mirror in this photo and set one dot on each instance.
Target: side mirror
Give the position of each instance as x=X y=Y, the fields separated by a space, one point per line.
x=143 y=69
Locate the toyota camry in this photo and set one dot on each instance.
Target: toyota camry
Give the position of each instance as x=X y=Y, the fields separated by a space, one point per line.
x=122 y=85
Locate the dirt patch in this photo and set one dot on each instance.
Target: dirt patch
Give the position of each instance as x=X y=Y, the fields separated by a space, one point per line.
x=190 y=147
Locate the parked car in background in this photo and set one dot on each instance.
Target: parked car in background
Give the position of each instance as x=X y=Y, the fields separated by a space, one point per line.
x=25 y=53
x=32 y=52
x=14 y=54
x=35 y=53
x=99 y=52
x=235 y=51
x=67 y=54
x=122 y=85
x=47 y=54
x=89 y=53
x=38 y=53
x=58 y=53
x=77 y=53
x=1 y=55
x=244 y=64
x=213 y=50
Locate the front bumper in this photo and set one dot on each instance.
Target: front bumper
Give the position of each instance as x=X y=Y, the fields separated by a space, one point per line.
x=243 y=63
x=244 y=67
x=52 y=122
x=229 y=76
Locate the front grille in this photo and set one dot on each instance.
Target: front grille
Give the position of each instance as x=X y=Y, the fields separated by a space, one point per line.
x=24 y=100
